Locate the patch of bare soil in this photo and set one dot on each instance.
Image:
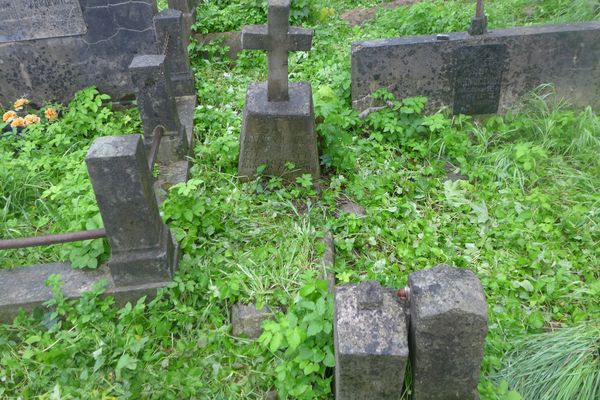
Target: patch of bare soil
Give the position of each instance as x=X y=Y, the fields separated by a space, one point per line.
x=361 y=15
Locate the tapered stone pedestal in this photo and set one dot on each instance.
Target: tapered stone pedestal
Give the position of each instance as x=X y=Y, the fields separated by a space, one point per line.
x=277 y=133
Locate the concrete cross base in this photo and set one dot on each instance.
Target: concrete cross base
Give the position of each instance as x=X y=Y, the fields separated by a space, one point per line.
x=131 y=267
x=277 y=133
x=24 y=288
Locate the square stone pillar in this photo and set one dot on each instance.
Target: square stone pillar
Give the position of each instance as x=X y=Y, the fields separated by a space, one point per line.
x=448 y=326
x=142 y=247
x=188 y=8
x=371 y=342
x=173 y=40
x=158 y=106
x=277 y=132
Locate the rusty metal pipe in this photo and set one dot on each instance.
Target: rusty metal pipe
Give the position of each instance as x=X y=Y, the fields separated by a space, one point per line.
x=52 y=239
x=480 y=13
x=157 y=134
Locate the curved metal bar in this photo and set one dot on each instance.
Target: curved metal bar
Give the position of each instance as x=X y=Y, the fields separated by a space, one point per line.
x=157 y=135
x=52 y=239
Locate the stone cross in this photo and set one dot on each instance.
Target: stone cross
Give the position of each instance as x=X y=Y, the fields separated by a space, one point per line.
x=278 y=38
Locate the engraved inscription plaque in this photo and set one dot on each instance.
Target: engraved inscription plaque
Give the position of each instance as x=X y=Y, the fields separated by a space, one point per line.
x=39 y=19
x=478 y=78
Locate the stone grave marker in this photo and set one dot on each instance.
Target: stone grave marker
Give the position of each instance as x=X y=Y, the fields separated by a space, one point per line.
x=448 y=325
x=50 y=49
x=279 y=124
x=482 y=71
x=371 y=342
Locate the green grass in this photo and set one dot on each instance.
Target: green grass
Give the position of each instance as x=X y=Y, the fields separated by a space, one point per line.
x=525 y=222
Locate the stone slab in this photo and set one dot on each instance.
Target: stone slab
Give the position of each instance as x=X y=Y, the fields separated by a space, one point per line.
x=54 y=68
x=246 y=320
x=275 y=133
x=24 y=288
x=564 y=55
x=371 y=342
x=448 y=326
x=40 y=19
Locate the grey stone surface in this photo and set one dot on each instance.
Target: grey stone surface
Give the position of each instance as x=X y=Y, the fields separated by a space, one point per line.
x=55 y=67
x=278 y=39
x=158 y=106
x=371 y=342
x=188 y=8
x=246 y=320
x=275 y=133
x=142 y=246
x=564 y=55
x=24 y=289
x=172 y=41
x=31 y=19
x=448 y=326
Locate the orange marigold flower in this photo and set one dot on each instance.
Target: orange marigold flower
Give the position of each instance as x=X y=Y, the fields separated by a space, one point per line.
x=31 y=119
x=19 y=104
x=51 y=114
x=9 y=116
x=18 y=122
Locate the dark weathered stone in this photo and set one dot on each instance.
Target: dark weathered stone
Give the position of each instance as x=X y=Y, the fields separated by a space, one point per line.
x=275 y=133
x=171 y=38
x=371 y=342
x=24 y=288
x=188 y=8
x=246 y=320
x=564 y=55
x=158 y=106
x=69 y=58
x=30 y=19
x=448 y=314
x=478 y=78
x=142 y=247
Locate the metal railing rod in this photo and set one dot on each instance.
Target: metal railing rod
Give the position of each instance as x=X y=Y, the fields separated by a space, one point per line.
x=51 y=239
x=157 y=134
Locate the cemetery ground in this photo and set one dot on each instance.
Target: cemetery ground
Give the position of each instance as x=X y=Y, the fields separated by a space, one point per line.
x=515 y=198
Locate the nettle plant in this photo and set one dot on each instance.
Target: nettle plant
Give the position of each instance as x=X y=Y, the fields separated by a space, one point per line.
x=302 y=341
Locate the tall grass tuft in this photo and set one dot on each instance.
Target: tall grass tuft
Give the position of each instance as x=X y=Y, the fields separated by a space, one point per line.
x=560 y=365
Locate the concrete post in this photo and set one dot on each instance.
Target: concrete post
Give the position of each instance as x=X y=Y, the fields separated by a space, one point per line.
x=448 y=326
x=142 y=247
x=371 y=342
x=158 y=106
x=172 y=40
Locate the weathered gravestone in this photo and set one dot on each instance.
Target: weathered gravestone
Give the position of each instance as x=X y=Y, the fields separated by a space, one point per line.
x=481 y=72
x=49 y=49
x=371 y=342
x=279 y=124
x=448 y=325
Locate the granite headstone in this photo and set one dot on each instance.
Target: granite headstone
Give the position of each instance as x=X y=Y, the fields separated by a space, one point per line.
x=50 y=49
x=484 y=71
